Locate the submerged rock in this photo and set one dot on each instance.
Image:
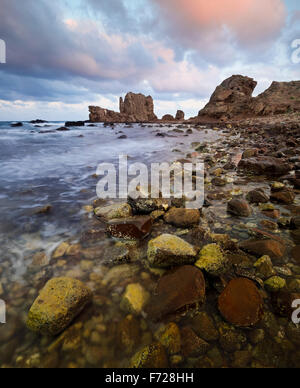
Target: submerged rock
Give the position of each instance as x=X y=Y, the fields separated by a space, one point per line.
x=177 y=291
x=239 y=207
x=152 y=356
x=116 y=211
x=192 y=345
x=264 y=267
x=257 y=196
x=259 y=248
x=131 y=228
x=182 y=217
x=168 y=250
x=134 y=299
x=212 y=260
x=170 y=338
x=128 y=334
x=286 y=196
x=275 y=284
x=59 y=302
x=241 y=303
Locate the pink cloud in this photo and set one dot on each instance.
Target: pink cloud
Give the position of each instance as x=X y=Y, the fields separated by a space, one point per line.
x=200 y=22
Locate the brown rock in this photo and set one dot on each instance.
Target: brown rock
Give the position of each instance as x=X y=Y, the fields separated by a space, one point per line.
x=265 y=165
x=296 y=253
x=257 y=196
x=176 y=291
x=239 y=207
x=241 y=303
x=131 y=228
x=168 y=118
x=282 y=303
x=180 y=115
x=231 y=98
x=286 y=196
x=128 y=334
x=273 y=249
x=182 y=217
x=192 y=345
x=135 y=108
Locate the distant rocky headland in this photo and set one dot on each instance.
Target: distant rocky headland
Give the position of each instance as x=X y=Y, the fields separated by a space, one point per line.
x=232 y=100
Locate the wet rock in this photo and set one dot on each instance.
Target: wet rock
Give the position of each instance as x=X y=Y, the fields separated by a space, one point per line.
x=296 y=253
x=192 y=345
x=182 y=217
x=61 y=250
x=275 y=284
x=62 y=129
x=286 y=196
x=270 y=225
x=231 y=340
x=59 y=302
x=295 y=222
x=295 y=234
x=40 y=259
x=219 y=182
x=241 y=303
x=16 y=125
x=264 y=267
x=128 y=334
x=131 y=228
x=43 y=209
x=277 y=186
x=120 y=273
x=152 y=356
x=134 y=299
x=239 y=207
x=212 y=260
x=204 y=327
x=272 y=248
x=177 y=291
x=75 y=124
x=257 y=196
x=250 y=153
x=147 y=206
x=168 y=250
x=170 y=338
x=241 y=359
x=122 y=210
x=265 y=165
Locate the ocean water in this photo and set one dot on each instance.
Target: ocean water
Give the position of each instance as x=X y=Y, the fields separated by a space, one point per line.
x=41 y=166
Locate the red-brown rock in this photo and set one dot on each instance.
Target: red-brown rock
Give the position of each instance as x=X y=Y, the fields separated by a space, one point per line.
x=259 y=248
x=265 y=165
x=241 y=303
x=177 y=291
x=131 y=228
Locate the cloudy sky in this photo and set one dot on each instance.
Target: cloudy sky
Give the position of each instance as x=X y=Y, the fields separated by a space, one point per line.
x=63 y=55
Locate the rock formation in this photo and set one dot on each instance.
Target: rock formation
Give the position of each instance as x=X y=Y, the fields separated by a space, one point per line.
x=180 y=115
x=135 y=108
x=233 y=99
x=168 y=118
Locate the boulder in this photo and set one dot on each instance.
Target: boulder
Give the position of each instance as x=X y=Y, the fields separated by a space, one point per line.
x=131 y=228
x=168 y=250
x=212 y=260
x=177 y=291
x=182 y=217
x=285 y=196
x=116 y=211
x=272 y=248
x=241 y=303
x=239 y=207
x=59 y=302
x=75 y=124
x=257 y=196
x=265 y=165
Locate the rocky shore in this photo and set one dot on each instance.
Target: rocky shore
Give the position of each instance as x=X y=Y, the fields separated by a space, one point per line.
x=151 y=284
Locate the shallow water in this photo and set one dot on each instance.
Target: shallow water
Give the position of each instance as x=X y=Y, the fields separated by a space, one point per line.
x=41 y=166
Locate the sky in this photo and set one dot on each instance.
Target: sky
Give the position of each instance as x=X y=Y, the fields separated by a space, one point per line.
x=64 y=55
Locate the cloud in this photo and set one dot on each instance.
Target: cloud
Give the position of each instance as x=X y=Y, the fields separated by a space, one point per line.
x=202 y=24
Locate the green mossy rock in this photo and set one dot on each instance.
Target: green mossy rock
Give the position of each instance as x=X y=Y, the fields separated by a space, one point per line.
x=59 y=302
